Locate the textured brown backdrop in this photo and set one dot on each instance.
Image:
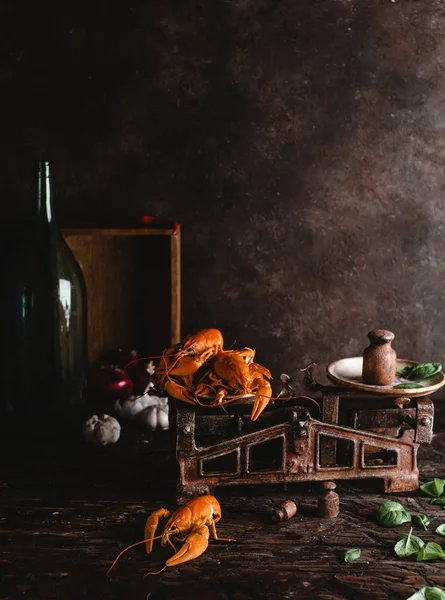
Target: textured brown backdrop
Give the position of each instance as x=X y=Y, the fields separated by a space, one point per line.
x=301 y=144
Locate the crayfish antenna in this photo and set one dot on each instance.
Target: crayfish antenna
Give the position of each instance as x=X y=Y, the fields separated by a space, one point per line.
x=128 y=548
x=155 y=572
x=195 y=544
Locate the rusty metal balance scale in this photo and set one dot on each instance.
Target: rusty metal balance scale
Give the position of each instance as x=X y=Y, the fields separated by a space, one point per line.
x=344 y=431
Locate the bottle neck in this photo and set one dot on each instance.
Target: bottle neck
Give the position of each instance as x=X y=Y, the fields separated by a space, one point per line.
x=45 y=209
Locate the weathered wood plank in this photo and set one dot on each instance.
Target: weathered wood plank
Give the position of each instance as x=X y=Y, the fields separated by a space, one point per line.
x=64 y=518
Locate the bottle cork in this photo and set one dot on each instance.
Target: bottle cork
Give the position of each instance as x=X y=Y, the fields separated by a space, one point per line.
x=285 y=511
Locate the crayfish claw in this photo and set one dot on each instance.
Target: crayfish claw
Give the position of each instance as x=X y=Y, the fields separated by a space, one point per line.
x=262 y=399
x=258 y=407
x=195 y=544
x=151 y=525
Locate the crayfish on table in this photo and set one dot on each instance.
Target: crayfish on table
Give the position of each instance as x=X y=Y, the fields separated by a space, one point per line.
x=190 y=521
x=199 y=368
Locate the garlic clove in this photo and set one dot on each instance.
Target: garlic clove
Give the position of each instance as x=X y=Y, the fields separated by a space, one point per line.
x=163 y=417
x=149 y=418
x=154 y=417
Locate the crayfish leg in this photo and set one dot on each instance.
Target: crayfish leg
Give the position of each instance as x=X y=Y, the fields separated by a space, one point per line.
x=179 y=392
x=262 y=370
x=195 y=544
x=215 y=535
x=221 y=393
x=151 y=525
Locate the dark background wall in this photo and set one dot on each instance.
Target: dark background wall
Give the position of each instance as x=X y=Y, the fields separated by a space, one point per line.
x=301 y=145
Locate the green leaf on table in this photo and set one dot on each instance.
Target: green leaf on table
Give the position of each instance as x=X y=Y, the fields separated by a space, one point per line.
x=428 y=593
x=352 y=554
x=439 y=501
x=392 y=513
x=408 y=545
x=433 y=488
x=406 y=386
x=434 y=593
x=440 y=530
x=423 y=371
x=414 y=538
x=430 y=551
x=421 y=520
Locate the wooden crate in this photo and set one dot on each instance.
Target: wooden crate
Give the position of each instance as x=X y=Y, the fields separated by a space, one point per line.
x=132 y=276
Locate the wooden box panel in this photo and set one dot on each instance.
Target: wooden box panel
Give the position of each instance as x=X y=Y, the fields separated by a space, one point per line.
x=133 y=287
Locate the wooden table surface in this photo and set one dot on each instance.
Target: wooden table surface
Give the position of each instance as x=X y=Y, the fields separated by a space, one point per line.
x=68 y=509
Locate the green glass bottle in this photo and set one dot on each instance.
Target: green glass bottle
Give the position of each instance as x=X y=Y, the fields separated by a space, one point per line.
x=43 y=325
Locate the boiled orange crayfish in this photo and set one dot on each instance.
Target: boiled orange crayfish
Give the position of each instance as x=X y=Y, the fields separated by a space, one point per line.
x=200 y=368
x=185 y=359
x=192 y=521
x=235 y=372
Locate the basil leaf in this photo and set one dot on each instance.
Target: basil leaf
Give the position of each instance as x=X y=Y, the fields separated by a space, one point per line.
x=405 y=371
x=421 y=520
x=352 y=554
x=408 y=545
x=433 y=593
x=440 y=530
x=424 y=371
x=433 y=488
x=391 y=514
x=440 y=501
x=430 y=551
x=406 y=386
x=414 y=539
x=428 y=593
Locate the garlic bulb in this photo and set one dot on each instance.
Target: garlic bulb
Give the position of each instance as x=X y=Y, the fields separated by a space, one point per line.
x=156 y=416
x=133 y=405
x=101 y=430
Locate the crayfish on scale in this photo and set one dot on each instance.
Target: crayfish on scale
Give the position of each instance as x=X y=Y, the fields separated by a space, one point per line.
x=191 y=520
x=199 y=369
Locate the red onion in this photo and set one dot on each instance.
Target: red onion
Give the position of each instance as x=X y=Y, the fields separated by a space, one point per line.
x=133 y=365
x=109 y=380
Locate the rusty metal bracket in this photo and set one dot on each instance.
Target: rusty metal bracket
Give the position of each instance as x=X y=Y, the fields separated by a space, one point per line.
x=425 y=420
x=355 y=439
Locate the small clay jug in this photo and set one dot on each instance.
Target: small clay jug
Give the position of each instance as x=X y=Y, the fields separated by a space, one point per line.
x=379 y=358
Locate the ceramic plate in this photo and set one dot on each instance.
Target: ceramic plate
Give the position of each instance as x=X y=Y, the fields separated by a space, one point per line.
x=347 y=372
